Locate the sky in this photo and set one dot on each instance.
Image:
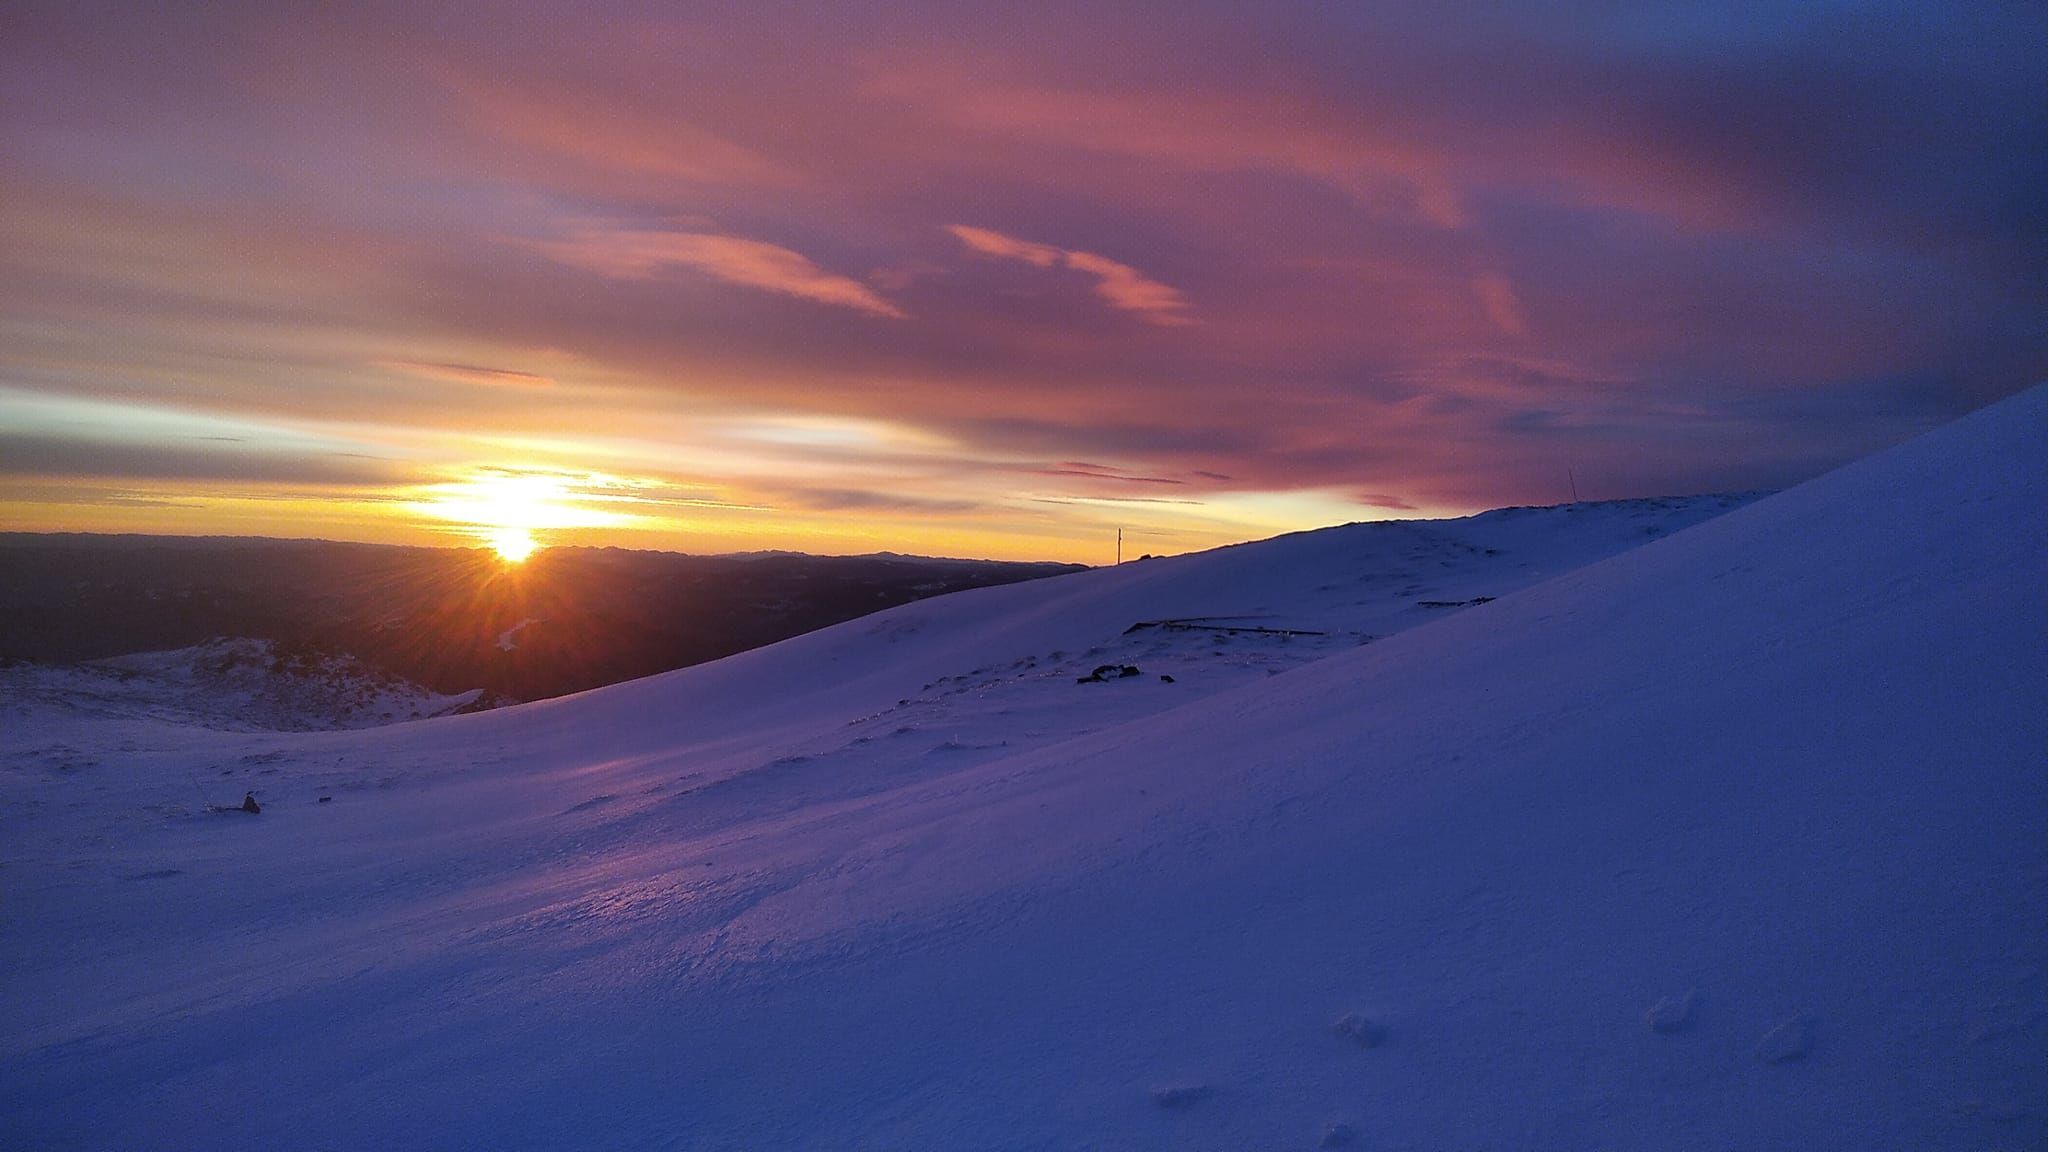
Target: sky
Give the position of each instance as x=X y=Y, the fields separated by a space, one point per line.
x=988 y=280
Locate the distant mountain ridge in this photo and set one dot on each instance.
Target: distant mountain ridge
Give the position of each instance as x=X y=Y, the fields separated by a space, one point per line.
x=438 y=617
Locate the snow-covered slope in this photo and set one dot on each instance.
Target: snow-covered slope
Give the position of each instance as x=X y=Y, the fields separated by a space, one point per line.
x=1731 y=840
x=1216 y=619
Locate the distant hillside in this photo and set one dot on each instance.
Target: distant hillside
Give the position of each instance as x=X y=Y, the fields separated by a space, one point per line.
x=452 y=620
x=237 y=685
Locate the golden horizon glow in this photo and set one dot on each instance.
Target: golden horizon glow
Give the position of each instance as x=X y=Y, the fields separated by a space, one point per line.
x=505 y=507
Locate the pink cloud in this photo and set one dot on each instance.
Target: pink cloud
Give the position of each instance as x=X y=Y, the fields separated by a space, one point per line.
x=544 y=121
x=1375 y=164
x=1006 y=247
x=1498 y=300
x=637 y=255
x=1121 y=285
x=1757 y=283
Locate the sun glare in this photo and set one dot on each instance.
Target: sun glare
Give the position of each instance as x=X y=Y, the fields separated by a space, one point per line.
x=512 y=511
x=513 y=545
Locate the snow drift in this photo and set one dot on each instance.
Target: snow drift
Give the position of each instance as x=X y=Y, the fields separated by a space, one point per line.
x=1734 y=839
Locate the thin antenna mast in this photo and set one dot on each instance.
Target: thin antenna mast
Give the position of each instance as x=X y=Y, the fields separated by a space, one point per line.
x=1119 y=547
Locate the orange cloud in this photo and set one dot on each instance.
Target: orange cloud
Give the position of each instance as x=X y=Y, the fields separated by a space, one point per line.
x=1123 y=286
x=636 y=255
x=1006 y=247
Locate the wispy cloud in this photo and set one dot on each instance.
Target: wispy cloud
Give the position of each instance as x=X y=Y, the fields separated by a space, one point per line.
x=1121 y=285
x=467 y=374
x=1102 y=472
x=636 y=254
x=1190 y=127
x=864 y=500
x=542 y=120
x=1383 y=500
x=1498 y=300
x=61 y=493
x=79 y=458
x=1007 y=247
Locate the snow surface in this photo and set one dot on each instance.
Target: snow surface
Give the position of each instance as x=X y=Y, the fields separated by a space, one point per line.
x=1731 y=840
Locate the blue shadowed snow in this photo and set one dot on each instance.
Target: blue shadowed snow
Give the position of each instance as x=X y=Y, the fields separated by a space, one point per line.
x=903 y=883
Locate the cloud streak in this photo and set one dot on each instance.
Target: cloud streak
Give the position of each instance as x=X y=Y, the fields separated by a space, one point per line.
x=467 y=374
x=1120 y=285
x=644 y=254
x=35 y=457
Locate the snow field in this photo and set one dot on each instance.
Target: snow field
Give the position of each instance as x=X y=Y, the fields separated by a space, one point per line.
x=1731 y=839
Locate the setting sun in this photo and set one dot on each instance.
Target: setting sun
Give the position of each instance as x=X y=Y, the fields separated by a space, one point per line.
x=511 y=510
x=513 y=545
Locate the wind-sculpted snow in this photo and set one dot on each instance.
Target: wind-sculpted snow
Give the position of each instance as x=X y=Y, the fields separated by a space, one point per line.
x=1728 y=840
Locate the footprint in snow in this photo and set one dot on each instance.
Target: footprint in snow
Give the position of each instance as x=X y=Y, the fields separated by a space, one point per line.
x=1360 y=1029
x=2012 y=1022
x=1179 y=1095
x=1791 y=1040
x=1672 y=1013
